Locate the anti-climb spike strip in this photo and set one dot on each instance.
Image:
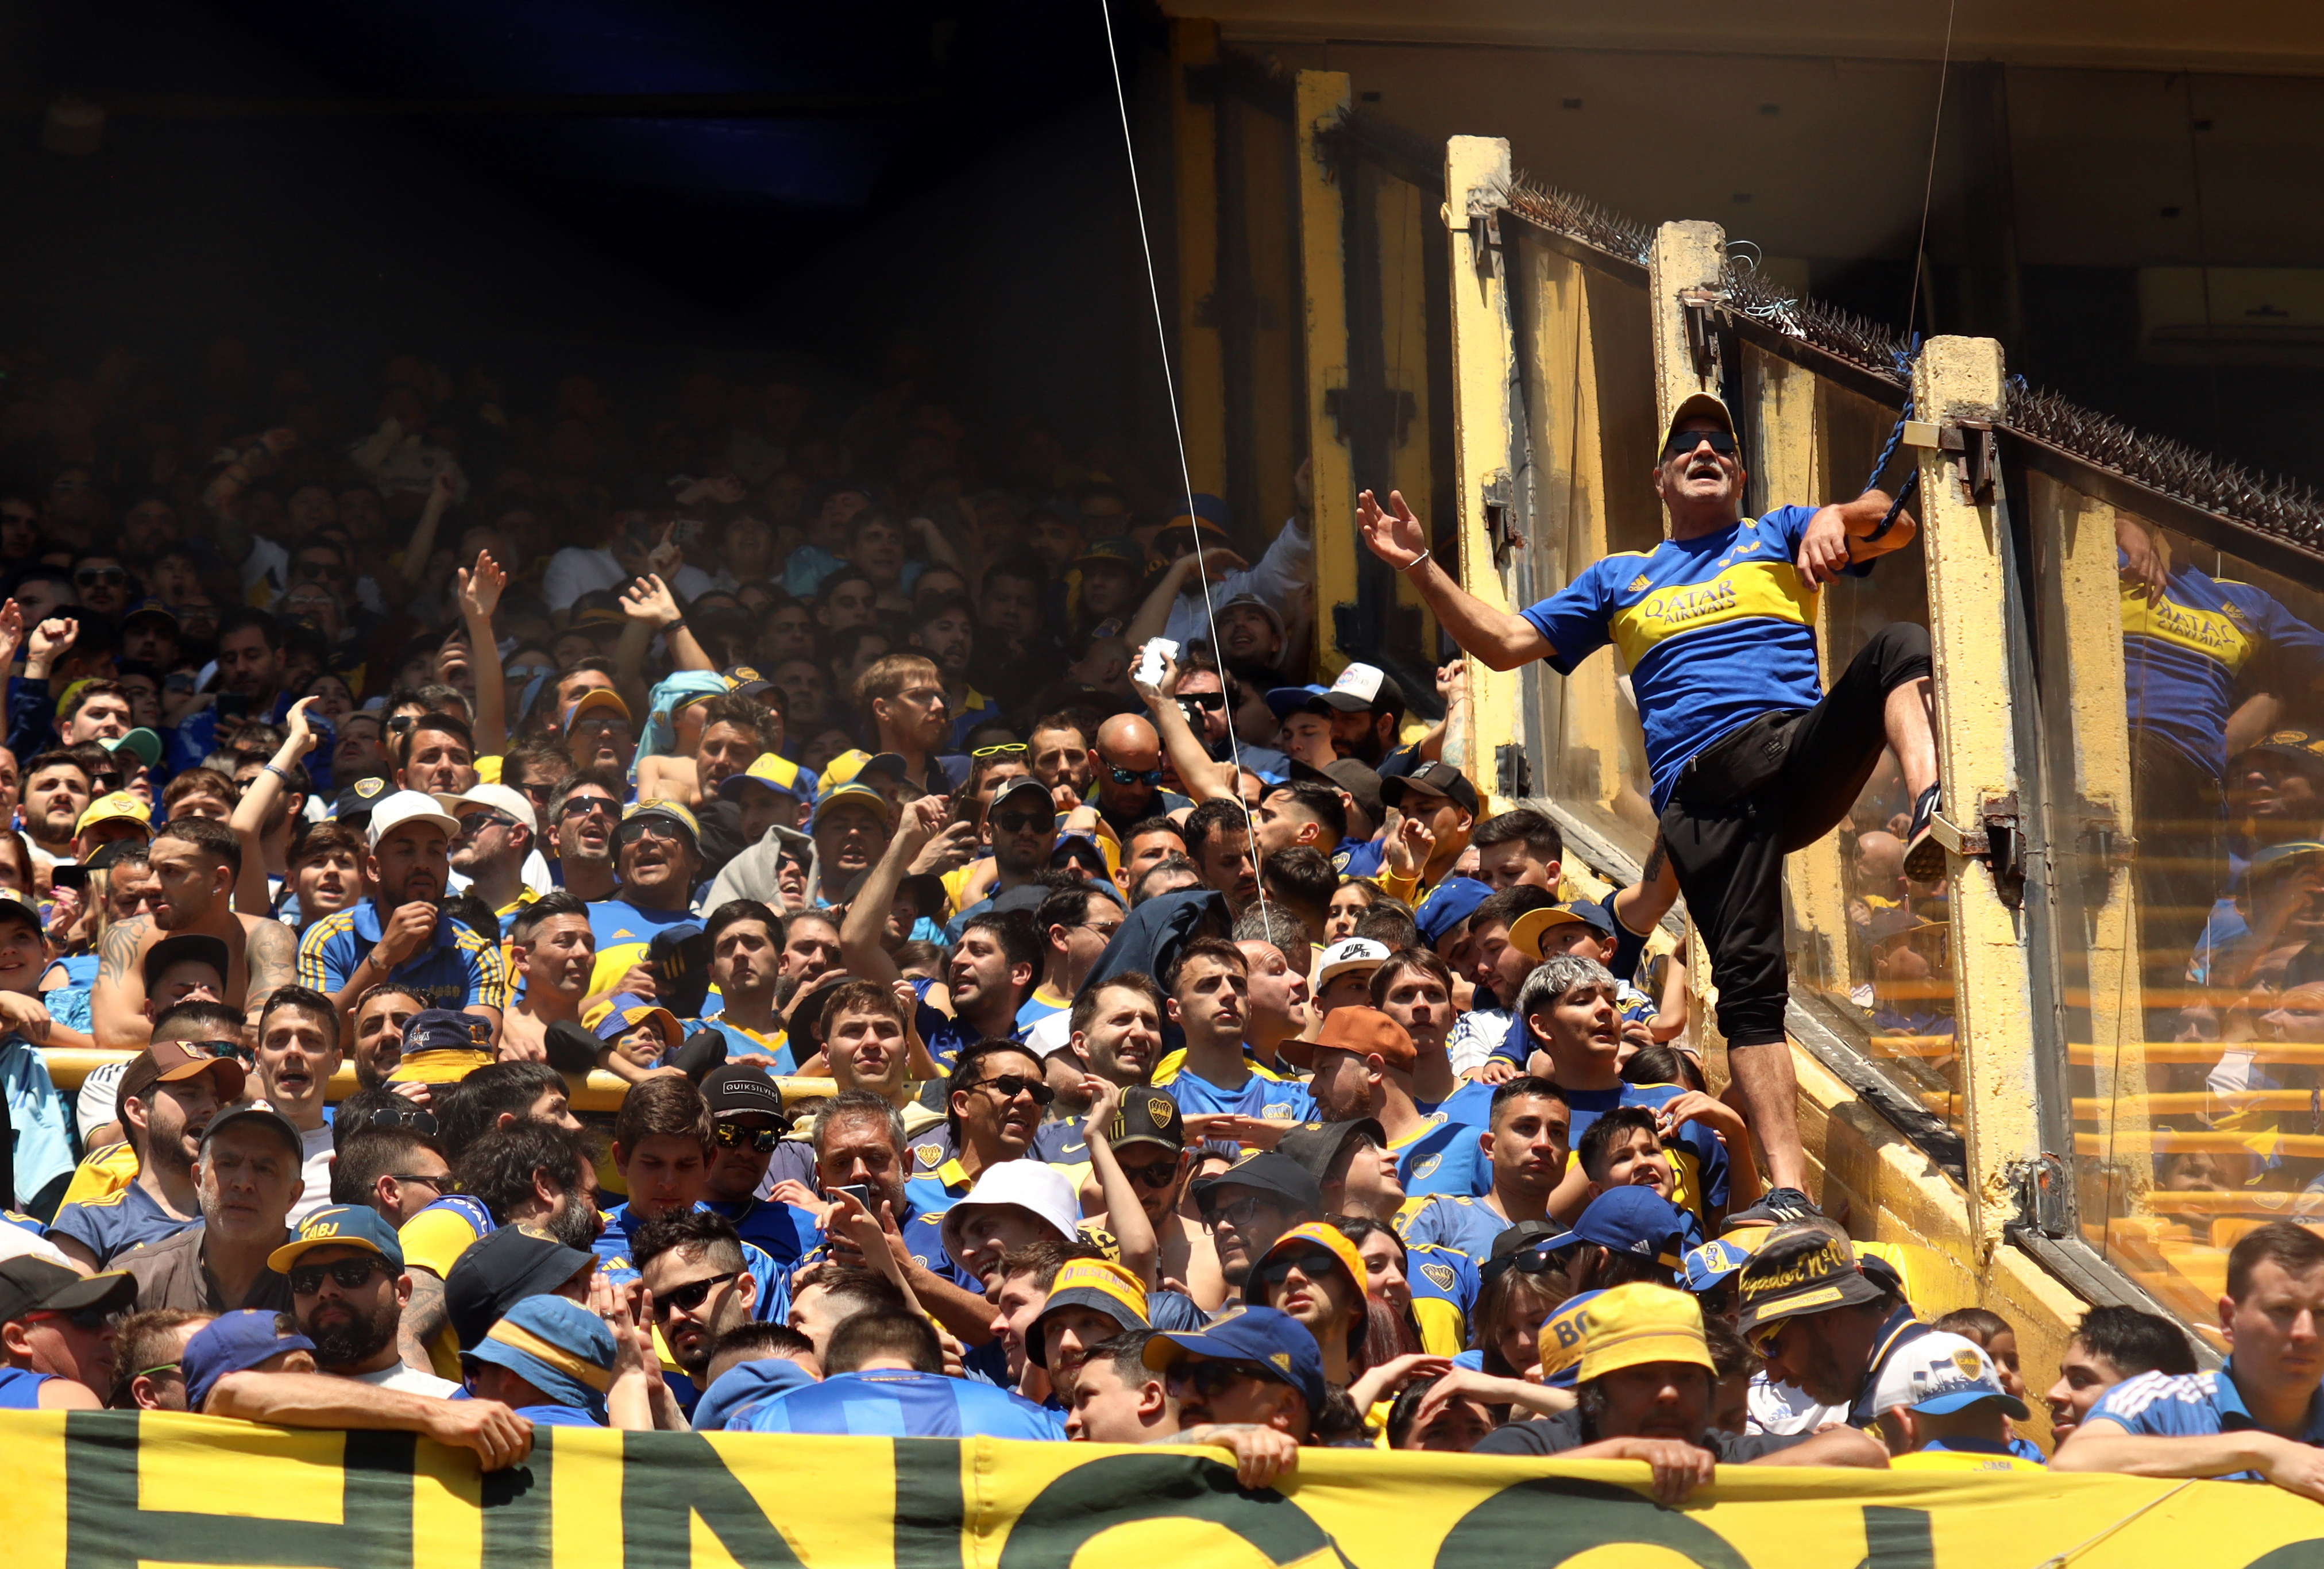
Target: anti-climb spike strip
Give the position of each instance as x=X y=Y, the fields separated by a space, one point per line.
x=2288 y=508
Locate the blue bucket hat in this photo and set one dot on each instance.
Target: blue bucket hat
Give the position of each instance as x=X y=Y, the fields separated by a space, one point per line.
x=555 y=1345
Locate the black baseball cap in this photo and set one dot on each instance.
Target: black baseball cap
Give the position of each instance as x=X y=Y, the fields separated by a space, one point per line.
x=742 y=1090
x=1268 y=1171
x=499 y=1271
x=1317 y=1145
x=266 y=1117
x=194 y=946
x=1800 y=1271
x=1436 y=779
x=1147 y=1116
x=804 y=1023
x=30 y=1285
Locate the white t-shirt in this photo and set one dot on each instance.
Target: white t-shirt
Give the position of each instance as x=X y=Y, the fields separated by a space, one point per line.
x=1786 y=1409
x=101 y=1094
x=409 y=1379
x=317 y=1172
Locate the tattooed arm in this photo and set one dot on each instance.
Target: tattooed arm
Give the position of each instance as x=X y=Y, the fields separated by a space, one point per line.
x=117 y=1001
x=271 y=954
x=424 y=1318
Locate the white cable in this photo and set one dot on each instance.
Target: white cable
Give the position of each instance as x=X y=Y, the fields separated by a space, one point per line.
x=1178 y=434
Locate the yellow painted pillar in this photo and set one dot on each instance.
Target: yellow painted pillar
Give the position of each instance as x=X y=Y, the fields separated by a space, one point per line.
x=1688 y=259
x=1320 y=99
x=1960 y=379
x=1484 y=366
x=1194 y=142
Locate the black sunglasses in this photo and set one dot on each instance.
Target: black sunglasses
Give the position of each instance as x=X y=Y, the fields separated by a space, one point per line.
x=1534 y=1260
x=477 y=822
x=87 y=1320
x=1017 y=822
x=306 y=1279
x=1013 y=1086
x=1209 y=1378
x=582 y=805
x=1124 y=776
x=93 y=574
x=638 y=828
x=1208 y=702
x=441 y=1184
x=1681 y=442
x=733 y=1136
x=1156 y=1174
x=685 y=1299
x=245 y=1055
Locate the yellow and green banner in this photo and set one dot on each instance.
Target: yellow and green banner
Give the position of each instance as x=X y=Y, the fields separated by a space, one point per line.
x=111 y=1491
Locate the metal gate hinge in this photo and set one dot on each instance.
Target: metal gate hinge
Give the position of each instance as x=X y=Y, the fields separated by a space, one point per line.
x=1996 y=837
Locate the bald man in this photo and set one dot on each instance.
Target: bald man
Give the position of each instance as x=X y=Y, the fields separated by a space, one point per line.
x=1129 y=773
x=1880 y=866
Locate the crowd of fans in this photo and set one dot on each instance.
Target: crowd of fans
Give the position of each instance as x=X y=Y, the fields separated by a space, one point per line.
x=1042 y=1008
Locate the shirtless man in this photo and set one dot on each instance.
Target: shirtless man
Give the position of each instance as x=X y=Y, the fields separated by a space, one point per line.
x=553 y=950
x=194 y=862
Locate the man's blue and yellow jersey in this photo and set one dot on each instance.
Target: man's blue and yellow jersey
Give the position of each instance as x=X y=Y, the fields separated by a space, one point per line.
x=1445 y=1284
x=774 y=1052
x=456 y=969
x=624 y=932
x=934 y=1168
x=613 y=1249
x=946 y=1038
x=111 y=1225
x=1697 y=1159
x=784 y=1233
x=1261 y=1094
x=1039 y=1006
x=1464 y=1223
x=1715 y=631
x=1445 y=1156
x=434 y=1239
x=2183 y=659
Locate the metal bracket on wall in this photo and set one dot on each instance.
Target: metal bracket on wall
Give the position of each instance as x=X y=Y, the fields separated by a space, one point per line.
x=2042 y=1196
x=1702 y=332
x=1976 y=459
x=1498 y=501
x=1996 y=836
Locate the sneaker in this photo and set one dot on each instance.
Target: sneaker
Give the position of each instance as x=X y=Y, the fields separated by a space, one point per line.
x=1924 y=854
x=1777 y=1207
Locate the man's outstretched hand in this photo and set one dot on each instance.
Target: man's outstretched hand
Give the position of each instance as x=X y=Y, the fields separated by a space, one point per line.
x=1394 y=535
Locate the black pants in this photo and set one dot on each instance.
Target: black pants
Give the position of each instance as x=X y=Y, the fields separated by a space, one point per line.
x=1766 y=788
x=2177 y=815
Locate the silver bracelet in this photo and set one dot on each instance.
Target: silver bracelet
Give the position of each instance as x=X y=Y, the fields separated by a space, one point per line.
x=1416 y=560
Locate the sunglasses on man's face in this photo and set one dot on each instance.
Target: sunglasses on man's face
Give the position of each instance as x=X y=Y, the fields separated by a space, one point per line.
x=1009 y=1086
x=1312 y=1263
x=87 y=1320
x=233 y=1048
x=629 y=833
x=91 y=577
x=476 y=823
x=1684 y=442
x=1160 y=1174
x=1126 y=776
x=733 y=1136
x=349 y=1274
x=582 y=805
x=1208 y=1378
x=685 y=1299
x=1208 y=702
x=1019 y=821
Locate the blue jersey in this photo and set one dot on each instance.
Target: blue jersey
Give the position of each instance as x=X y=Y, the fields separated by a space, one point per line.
x=1472 y=1105
x=1446 y=1156
x=456 y=970
x=785 y=1235
x=2189 y=1405
x=1460 y=1221
x=613 y=1249
x=122 y=1219
x=1359 y=857
x=624 y=933
x=1038 y=1007
x=2183 y=659
x=905 y=1405
x=1261 y=1094
x=37 y=1117
x=1715 y=631
x=1445 y=1284
x=947 y=1039
x=749 y=1046
x=1697 y=1159
x=20 y=1389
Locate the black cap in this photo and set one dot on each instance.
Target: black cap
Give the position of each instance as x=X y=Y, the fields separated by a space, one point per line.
x=194 y=946
x=1523 y=1238
x=266 y=1117
x=1317 y=1145
x=805 y=1022
x=1269 y=1172
x=354 y=804
x=112 y=853
x=30 y=1285
x=1437 y=778
x=742 y=1090
x=1026 y=896
x=499 y=1271
x=1021 y=785
x=1147 y=1116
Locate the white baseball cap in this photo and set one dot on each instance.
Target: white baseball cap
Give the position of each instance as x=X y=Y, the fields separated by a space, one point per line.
x=499 y=797
x=1939 y=1373
x=393 y=810
x=1039 y=1189
x=1349 y=953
